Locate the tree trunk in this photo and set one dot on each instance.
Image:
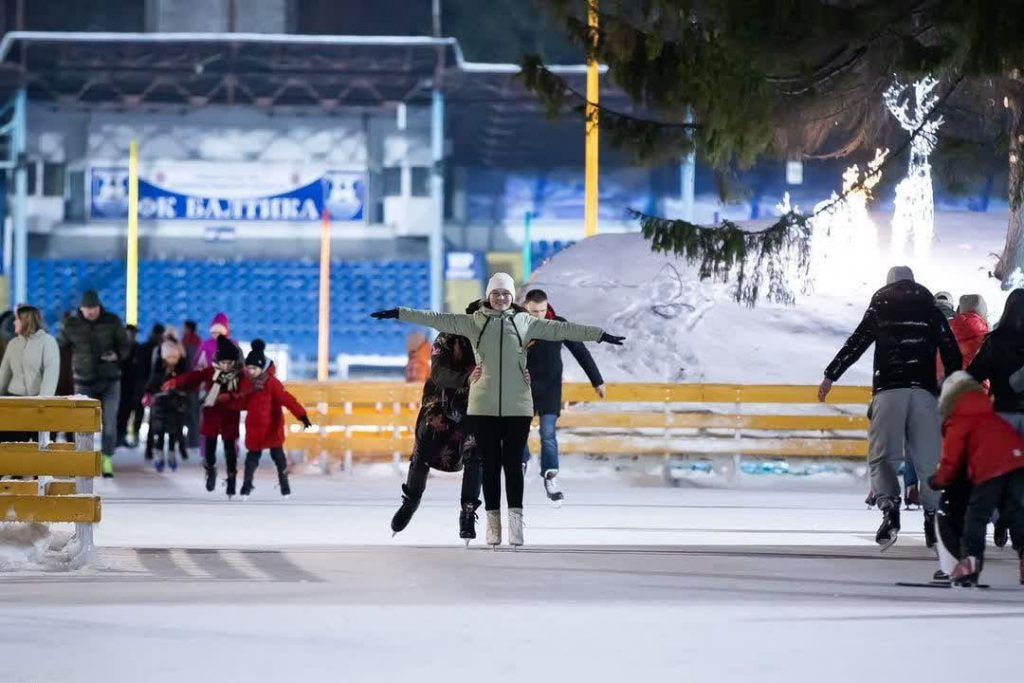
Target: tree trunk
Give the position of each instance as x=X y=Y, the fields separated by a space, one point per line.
x=1012 y=258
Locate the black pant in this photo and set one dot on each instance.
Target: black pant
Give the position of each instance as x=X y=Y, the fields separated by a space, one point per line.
x=230 y=454
x=1005 y=493
x=252 y=461
x=124 y=410
x=171 y=425
x=500 y=442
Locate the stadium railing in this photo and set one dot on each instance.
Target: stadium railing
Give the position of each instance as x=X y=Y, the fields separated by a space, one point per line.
x=62 y=473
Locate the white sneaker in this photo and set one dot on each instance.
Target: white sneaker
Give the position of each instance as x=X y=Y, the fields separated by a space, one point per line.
x=494 y=527
x=515 y=527
x=551 y=488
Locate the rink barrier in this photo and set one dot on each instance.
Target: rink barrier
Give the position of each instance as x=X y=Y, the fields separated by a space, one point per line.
x=375 y=420
x=44 y=499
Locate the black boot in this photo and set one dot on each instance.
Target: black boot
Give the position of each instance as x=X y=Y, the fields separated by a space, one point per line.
x=252 y=461
x=232 y=474
x=890 y=526
x=412 y=492
x=467 y=521
x=211 y=477
x=282 y=471
x=930 y=538
x=1000 y=534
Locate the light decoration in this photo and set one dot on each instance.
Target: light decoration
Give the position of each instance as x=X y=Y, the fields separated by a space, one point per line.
x=913 y=222
x=844 y=238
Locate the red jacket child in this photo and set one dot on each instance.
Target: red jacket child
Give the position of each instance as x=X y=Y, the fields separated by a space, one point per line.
x=975 y=440
x=220 y=416
x=969 y=329
x=265 y=400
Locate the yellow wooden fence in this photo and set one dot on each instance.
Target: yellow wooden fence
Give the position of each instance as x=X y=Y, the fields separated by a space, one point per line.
x=375 y=420
x=64 y=472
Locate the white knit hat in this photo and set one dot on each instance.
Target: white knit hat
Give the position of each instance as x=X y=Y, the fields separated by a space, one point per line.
x=501 y=281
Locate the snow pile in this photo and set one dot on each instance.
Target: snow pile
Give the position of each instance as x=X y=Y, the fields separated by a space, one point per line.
x=23 y=546
x=680 y=329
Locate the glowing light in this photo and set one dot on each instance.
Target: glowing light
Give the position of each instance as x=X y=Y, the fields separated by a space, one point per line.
x=913 y=223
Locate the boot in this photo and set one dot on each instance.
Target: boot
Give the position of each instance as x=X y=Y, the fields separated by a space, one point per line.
x=890 y=526
x=494 y=528
x=515 y=527
x=107 y=463
x=412 y=493
x=230 y=483
x=467 y=521
x=940 y=576
x=912 y=497
x=282 y=472
x=966 y=572
x=930 y=538
x=1000 y=534
x=252 y=460
x=551 y=488
x=211 y=476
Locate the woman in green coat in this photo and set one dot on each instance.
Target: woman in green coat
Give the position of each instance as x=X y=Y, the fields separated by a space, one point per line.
x=500 y=401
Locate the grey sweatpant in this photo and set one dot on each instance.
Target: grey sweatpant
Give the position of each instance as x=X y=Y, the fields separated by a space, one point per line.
x=904 y=424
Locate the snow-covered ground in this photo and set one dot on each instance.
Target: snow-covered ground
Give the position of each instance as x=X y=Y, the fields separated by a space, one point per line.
x=776 y=580
x=682 y=330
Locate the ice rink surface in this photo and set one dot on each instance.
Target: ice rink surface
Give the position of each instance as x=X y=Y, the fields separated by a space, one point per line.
x=777 y=580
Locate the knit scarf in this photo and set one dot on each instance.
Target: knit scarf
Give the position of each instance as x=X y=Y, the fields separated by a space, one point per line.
x=227 y=381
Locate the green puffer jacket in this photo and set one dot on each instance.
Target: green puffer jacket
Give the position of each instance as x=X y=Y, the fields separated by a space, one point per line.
x=499 y=343
x=89 y=341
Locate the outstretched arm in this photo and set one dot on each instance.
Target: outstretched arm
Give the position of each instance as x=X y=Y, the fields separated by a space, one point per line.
x=859 y=342
x=290 y=402
x=556 y=330
x=586 y=361
x=452 y=323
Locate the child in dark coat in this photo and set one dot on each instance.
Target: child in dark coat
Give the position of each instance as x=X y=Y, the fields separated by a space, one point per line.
x=976 y=442
x=166 y=408
x=265 y=400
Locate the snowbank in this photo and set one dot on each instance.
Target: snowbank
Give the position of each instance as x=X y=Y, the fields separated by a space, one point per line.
x=680 y=329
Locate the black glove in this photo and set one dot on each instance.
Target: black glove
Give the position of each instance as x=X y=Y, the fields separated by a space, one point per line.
x=389 y=314
x=305 y=421
x=610 y=339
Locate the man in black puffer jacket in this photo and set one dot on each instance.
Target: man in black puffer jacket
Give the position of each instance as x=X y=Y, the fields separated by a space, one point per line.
x=99 y=343
x=907 y=330
x=544 y=363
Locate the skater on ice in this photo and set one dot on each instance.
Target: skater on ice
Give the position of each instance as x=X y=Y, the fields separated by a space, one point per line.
x=544 y=363
x=907 y=330
x=167 y=409
x=500 y=401
x=442 y=442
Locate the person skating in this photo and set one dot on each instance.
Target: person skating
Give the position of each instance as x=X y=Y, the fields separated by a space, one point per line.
x=441 y=439
x=219 y=417
x=500 y=402
x=98 y=343
x=264 y=401
x=907 y=331
x=982 y=444
x=544 y=363
x=146 y=354
x=167 y=409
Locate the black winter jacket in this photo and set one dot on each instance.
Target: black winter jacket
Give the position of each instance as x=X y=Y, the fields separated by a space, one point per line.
x=1000 y=356
x=907 y=329
x=89 y=340
x=544 y=362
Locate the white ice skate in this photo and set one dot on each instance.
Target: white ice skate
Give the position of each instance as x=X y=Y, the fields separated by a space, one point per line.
x=494 y=528
x=515 y=527
x=551 y=488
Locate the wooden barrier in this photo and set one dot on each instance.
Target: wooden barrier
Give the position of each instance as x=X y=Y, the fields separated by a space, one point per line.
x=376 y=420
x=40 y=500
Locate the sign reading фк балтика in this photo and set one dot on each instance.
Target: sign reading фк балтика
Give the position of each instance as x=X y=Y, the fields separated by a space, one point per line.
x=197 y=190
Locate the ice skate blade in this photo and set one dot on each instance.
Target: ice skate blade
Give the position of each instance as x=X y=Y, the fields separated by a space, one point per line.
x=885 y=545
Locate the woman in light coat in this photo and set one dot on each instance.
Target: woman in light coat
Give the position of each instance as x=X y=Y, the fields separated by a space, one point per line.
x=500 y=400
x=31 y=361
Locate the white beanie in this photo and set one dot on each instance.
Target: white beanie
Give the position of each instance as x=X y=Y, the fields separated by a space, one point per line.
x=501 y=281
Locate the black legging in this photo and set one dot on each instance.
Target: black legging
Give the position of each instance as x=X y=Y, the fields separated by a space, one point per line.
x=230 y=454
x=500 y=442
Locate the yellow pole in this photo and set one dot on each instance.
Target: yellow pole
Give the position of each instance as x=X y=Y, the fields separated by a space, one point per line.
x=131 y=305
x=324 y=329
x=592 y=128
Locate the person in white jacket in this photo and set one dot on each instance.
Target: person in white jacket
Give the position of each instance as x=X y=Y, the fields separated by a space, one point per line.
x=31 y=362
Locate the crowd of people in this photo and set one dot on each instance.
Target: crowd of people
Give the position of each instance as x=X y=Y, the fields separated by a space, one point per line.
x=194 y=390
x=962 y=449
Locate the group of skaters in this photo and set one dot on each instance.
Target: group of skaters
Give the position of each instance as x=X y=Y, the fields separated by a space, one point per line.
x=961 y=449
x=194 y=390
x=493 y=369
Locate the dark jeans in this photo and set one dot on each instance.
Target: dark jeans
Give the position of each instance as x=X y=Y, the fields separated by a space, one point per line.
x=124 y=410
x=1005 y=493
x=109 y=396
x=500 y=441
x=548 y=445
x=209 y=449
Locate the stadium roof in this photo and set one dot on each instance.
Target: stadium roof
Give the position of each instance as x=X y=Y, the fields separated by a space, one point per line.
x=491 y=119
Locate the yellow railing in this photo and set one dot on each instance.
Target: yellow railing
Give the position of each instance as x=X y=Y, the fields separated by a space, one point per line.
x=68 y=498
x=376 y=420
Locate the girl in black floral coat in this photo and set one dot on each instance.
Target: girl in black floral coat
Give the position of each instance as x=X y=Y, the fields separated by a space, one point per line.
x=441 y=440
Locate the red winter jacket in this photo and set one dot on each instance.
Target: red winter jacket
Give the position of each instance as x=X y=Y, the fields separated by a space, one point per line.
x=264 y=421
x=976 y=441
x=970 y=330
x=220 y=419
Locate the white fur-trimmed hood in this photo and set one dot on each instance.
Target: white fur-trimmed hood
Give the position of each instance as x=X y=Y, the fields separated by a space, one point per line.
x=955 y=386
